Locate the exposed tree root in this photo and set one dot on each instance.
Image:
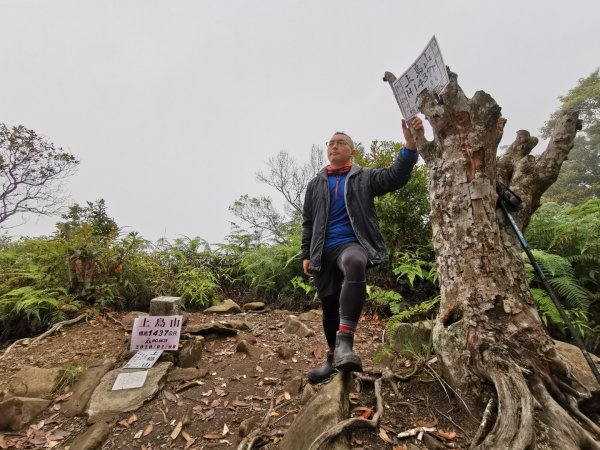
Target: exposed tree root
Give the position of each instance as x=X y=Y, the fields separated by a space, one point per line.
x=509 y=420
x=248 y=442
x=355 y=422
x=565 y=432
x=54 y=329
x=514 y=426
x=485 y=423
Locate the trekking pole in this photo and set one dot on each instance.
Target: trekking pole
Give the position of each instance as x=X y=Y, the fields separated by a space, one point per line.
x=509 y=200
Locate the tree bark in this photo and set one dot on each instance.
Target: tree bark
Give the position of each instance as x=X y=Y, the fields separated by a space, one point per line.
x=488 y=336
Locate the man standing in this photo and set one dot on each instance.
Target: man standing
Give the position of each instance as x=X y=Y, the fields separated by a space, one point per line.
x=341 y=238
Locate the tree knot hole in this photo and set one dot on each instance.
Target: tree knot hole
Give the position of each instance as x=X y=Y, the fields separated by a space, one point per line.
x=453 y=316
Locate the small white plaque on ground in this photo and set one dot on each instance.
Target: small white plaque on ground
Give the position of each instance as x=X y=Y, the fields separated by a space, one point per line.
x=143 y=359
x=130 y=380
x=427 y=72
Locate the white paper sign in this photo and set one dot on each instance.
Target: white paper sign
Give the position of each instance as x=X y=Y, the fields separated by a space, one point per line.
x=143 y=359
x=130 y=380
x=156 y=333
x=427 y=72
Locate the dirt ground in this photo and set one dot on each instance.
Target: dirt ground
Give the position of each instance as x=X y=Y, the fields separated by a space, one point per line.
x=235 y=388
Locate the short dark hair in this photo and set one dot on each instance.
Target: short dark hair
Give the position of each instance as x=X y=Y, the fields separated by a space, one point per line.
x=344 y=134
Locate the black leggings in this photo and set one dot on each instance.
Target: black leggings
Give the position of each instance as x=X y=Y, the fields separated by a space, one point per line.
x=350 y=299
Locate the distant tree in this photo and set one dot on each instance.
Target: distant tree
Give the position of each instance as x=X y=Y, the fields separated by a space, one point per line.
x=30 y=172
x=403 y=214
x=579 y=178
x=261 y=222
x=93 y=215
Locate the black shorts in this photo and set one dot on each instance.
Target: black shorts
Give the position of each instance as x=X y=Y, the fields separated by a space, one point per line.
x=329 y=279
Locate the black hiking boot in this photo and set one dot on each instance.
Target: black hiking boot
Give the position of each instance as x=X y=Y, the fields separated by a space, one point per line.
x=320 y=374
x=344 y=359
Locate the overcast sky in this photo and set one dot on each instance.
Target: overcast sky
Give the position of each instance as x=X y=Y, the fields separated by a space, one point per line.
x=173 y=106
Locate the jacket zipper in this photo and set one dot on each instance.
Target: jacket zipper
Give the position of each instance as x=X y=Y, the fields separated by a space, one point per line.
x=328 y=200
x=350 y=217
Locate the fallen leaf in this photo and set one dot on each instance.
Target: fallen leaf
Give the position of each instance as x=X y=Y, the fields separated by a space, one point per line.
x=3 y=442
x=450 y=435
x=123 y=423
x=399 y=447
x=424 y=421
x=188 y=439
x=259 y=369
x=170 y=396
x=384 y=436
x=207 y=393
x=148 y=430
x=177 y=430
x=213 y=436
x=357 y=441
x=287 y=395
x=225 y=430
x=138 y=434
x=132 y=419
x=274 y=414
x=57 y=435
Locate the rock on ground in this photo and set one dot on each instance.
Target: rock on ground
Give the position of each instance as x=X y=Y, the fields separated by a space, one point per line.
x=92 y=439
x=226 y=307
x=165 y=306
x=293 y=325
x=107 y=403
x=240 y=325
x=187 y=374
x=254 y=306
x=323 y=411
x=294 y=386
x=190 y=354
x=16 y=412
x=579 y=366
x=410 y=337
x=34 y=382
x=286 y=351
x=83 y=389
x=210 y=328
x=314 y=315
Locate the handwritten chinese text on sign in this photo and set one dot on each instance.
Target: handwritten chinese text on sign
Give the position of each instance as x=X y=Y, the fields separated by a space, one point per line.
x=427 y=72
x=156 y=333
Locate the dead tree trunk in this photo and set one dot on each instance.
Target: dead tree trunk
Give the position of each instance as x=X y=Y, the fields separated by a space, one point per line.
x=488 y=336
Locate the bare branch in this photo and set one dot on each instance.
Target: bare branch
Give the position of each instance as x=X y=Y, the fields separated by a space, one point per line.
x=30 y=169
x=533 y=176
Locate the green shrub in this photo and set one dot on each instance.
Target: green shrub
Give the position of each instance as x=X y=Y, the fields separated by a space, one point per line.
x=269 y=270
x=196 y=286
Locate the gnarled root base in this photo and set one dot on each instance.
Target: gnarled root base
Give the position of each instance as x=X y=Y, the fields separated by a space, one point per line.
x=520 y=402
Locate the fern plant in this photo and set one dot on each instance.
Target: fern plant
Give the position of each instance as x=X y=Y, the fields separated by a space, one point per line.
x=409 y=266
x=384 y=299
x=561 y=277
x=423 y=308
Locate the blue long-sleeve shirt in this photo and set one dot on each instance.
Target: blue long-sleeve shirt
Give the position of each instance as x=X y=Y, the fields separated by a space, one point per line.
x=339 y=228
